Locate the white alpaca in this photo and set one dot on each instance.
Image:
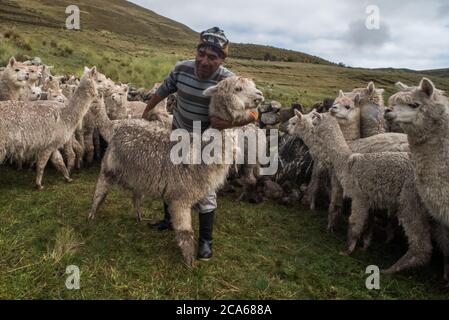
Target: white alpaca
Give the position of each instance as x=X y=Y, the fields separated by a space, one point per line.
x=41 y=127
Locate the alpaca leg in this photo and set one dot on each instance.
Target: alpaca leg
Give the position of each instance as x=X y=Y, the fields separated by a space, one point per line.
x=78 y=149
x=70 y=155
x=182 y=224
x=42 y=159
x=97 y=143
x=89 y=147
x=58 y=162
x=101 y=190
x=335 y=205
x=413 y=219
x=137 y=201
x=19 y=165
x=314 y=185
x=368 y=234
x=441 y=235
x=357 y=223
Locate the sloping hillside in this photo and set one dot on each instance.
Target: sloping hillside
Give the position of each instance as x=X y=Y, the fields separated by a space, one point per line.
x=136 y=45
x=130 y=20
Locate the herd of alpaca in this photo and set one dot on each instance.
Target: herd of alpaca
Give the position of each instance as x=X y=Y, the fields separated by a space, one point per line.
x=402 y=175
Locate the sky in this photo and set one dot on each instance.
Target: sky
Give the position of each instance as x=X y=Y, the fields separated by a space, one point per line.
x=410 y=34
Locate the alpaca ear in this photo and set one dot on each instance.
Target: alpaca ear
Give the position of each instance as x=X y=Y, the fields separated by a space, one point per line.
x=427 y=87
x=357 y=99
x=93 y=71
x=341 y=94
x=298 y=114
x=399 y=85
x=317 y=115
x=371 y=88
x=12 y=62
x=86 y=70
x=211 y=91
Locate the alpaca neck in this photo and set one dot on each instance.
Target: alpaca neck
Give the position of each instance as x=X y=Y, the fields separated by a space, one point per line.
x=105 y=125
x=337 y=151
x=351 y=130
x=77 y=108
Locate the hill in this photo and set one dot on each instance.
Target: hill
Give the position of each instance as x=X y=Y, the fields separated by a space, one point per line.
x=135 y=45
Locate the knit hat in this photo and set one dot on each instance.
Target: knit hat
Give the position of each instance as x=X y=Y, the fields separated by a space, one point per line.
x=215 y=37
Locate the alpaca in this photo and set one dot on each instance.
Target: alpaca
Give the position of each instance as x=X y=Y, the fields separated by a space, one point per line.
x=373 y=181
x=90 y=134
x=41 y=127
x=68 y=90
x=423 y=113
x=359 y=113
x=371 y=104
x=136 y=109
x=116 y=102
x=30 y=93
x=12 y=80
x=137 y=149
x=385 y=142
x=35 y=73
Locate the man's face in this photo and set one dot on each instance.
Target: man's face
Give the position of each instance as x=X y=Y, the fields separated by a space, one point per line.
x=207 y=62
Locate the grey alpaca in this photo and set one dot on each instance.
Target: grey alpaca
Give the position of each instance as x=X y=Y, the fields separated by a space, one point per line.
x=423 y=113
x=374 y=181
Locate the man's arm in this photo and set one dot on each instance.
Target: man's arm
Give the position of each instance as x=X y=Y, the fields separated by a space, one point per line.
x=154 y=100
x=167 y=87
x=221 y=124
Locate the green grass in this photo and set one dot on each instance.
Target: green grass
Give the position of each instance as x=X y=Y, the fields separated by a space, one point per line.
x=263 y=251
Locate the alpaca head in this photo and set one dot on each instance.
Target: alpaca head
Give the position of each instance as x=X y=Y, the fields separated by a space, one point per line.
x=56 y=95
x=369 y=94
x=346 y=108
x=420 y=109
x=35 y=73
x=16 y=73
x=120 y=94
x=34 y=93
x=89 y=81
x=300 y=125
x=234 y=98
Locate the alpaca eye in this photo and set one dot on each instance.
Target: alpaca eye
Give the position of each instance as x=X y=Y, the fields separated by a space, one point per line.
x=238 y=89
x=17 y=70
x=414 y=105
x=348 y=107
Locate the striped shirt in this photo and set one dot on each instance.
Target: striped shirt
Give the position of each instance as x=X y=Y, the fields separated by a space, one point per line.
x=191 y=105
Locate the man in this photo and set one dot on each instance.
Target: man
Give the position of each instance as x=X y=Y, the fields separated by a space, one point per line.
x=189 y=79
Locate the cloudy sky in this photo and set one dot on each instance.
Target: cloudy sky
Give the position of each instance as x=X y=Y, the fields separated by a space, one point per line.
x=412 y=34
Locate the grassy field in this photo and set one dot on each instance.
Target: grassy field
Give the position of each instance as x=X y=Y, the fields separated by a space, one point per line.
x=263 y=251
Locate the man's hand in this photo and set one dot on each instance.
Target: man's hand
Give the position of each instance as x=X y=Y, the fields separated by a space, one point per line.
x=221 y=124
x=154 y=100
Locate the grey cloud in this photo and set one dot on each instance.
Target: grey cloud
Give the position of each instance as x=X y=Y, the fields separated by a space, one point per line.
x=359 y=35
x=413 y=34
